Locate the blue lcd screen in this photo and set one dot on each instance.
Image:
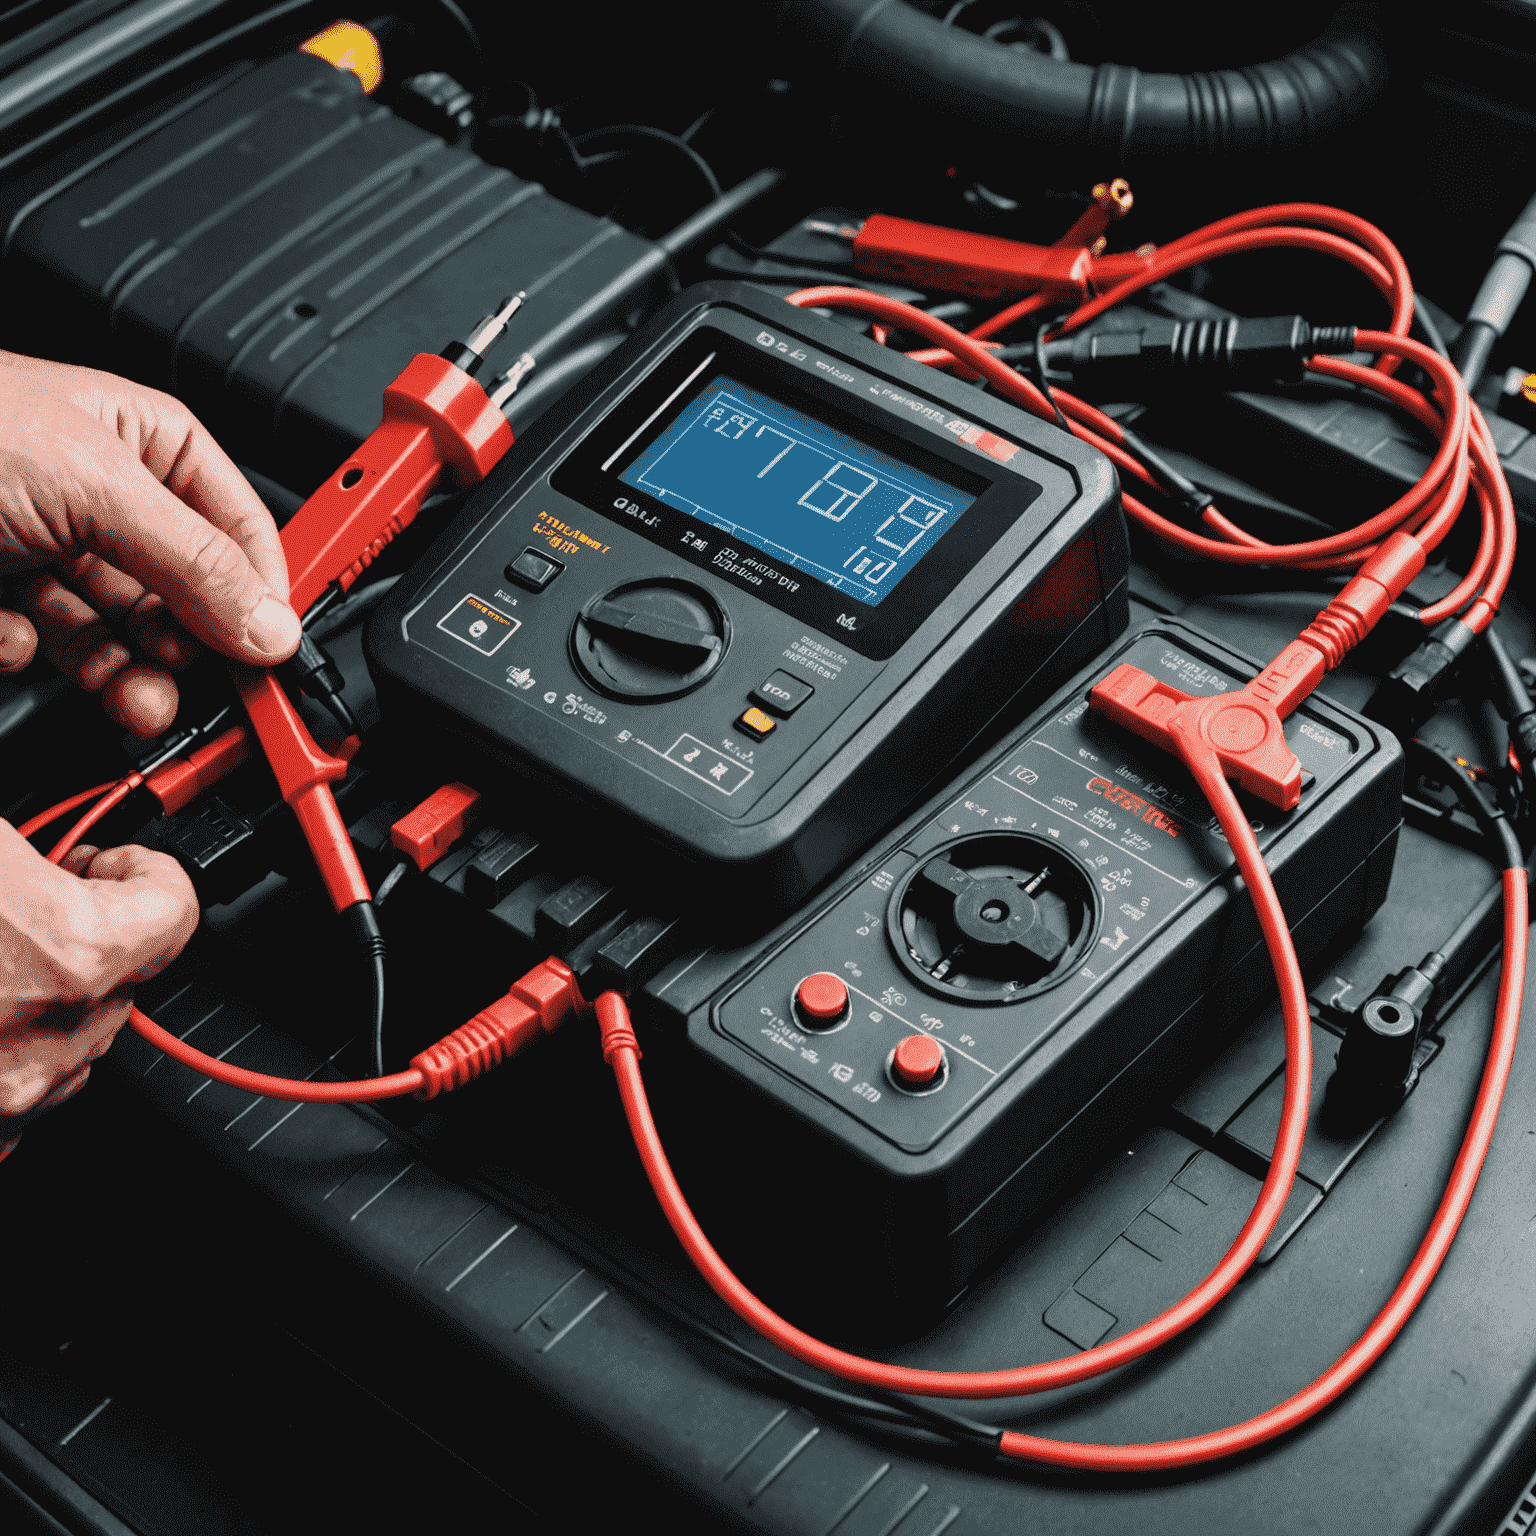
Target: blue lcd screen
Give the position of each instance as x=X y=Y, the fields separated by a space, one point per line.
x=809 y=497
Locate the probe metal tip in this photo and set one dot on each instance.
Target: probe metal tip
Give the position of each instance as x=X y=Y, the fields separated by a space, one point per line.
x=1114 y=197
x=839 y=231
x=506 y=386
x=485 y=334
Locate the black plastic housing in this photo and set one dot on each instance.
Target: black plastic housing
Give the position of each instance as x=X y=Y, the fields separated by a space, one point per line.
x=273 y=246
x=940 y=1183
x=1008 y=601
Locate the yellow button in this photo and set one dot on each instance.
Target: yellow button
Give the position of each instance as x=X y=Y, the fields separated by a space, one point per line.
x=758 y=723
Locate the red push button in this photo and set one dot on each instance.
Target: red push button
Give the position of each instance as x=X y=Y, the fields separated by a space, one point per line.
x=917 y=1062
x=821 y=998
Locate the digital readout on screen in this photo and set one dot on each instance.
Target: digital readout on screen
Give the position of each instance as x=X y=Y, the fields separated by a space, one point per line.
x=810 y=498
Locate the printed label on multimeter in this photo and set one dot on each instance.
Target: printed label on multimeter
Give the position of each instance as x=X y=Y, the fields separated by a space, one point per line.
x=478 y=625
x=703 y=762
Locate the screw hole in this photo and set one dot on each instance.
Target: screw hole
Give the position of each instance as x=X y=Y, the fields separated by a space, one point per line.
x=994 y=912
x=350 y=478
x=1388 y=1014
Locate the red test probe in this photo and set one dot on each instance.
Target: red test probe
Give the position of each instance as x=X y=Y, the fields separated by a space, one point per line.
x=985 y=266
x=436 y=418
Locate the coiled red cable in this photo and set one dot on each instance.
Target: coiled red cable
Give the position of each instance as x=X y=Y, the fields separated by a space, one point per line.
x=1155 y=1456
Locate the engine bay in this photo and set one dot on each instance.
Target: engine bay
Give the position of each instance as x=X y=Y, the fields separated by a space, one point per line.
x=968 y=603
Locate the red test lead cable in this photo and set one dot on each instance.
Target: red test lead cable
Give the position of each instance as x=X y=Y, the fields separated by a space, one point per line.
x=535 y=1004
x=622 y=1051
x=52 y=814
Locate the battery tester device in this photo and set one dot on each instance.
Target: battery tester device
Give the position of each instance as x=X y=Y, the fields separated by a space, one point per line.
x=763 y=582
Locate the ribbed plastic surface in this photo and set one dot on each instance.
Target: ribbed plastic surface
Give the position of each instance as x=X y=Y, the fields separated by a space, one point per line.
x=276 y=252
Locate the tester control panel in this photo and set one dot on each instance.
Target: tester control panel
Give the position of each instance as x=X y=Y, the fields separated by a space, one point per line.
x=754 y=587
x=978 y=1009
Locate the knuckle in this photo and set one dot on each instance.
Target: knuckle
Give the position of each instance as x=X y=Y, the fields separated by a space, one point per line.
x=219 y=567
x=86 y=976
x=83 y=970
x=22 y=1089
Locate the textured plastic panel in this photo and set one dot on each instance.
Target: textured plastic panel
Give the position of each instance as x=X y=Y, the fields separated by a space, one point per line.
x=276 y=253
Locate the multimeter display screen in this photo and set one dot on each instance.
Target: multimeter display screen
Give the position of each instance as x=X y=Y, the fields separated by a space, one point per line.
x=806 y=495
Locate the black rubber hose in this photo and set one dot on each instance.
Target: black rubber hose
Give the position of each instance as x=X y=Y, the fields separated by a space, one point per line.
x=939 y=79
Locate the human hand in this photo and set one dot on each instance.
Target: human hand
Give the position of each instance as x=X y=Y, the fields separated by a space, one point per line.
x=116 y=508
x=74 y=940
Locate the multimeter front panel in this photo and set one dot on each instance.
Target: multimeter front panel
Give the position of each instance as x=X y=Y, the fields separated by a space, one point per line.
x=725 y=565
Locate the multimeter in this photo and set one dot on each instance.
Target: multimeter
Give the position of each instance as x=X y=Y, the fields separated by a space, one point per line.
x=747 y=591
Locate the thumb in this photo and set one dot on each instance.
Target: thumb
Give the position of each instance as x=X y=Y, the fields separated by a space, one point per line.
x=145 y=913
x=206 y=579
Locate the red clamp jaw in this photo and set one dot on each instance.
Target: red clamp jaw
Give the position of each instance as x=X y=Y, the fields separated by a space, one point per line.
x=1237 y=734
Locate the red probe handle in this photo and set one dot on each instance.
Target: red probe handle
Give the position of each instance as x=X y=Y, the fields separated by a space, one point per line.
x=435 y=415
x=304 y=775
x=363 y=505
x=985 y=266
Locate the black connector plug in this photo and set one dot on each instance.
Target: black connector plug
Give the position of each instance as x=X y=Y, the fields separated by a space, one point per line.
x=312 y=671
x=1409 y=694
x=1378 y=1060
x=216 y=846
x=1513 y=701
x=1216 y=354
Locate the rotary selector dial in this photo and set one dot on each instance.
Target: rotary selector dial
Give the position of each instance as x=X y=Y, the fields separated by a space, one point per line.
x=650 y=640
x=994 y=917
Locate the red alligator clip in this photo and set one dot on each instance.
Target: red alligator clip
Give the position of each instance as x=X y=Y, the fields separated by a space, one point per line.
x=986 y=266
